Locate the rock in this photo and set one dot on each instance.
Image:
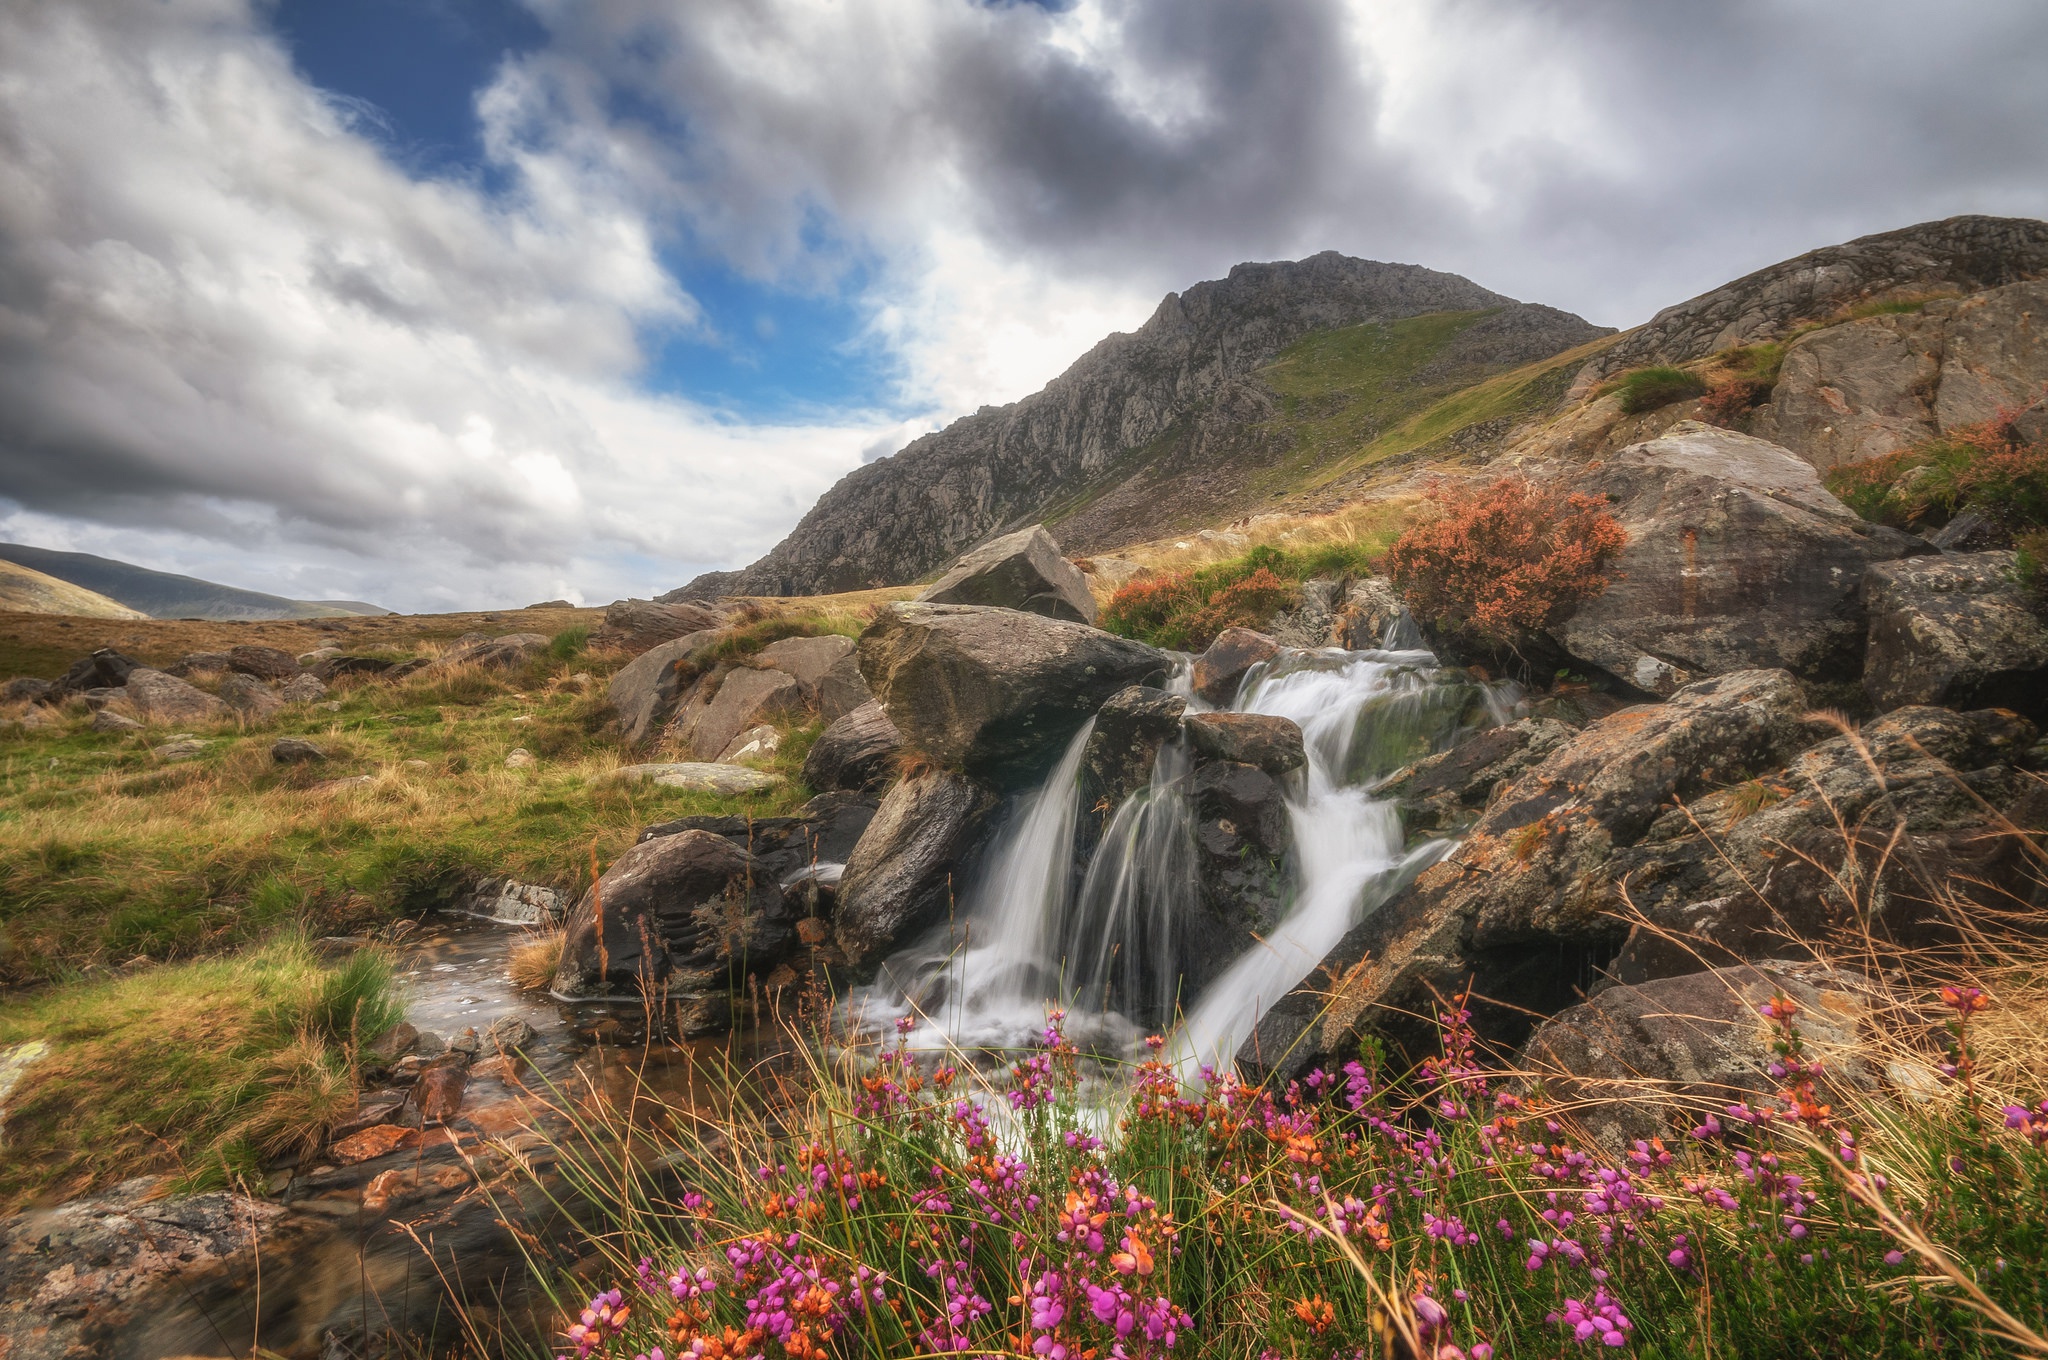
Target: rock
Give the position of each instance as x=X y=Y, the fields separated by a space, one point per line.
x=1968 y=532
x=502 y=653
x=25 y=689
x=1247 y=804
x=512 y=903
x=378 y=1140
x=995 y=692
x=97 y=699
x=1368 y=615
x=858 y=751
x=1023 y=570
x=687 y=913
x=723 y=706
x=637 y=625
x=1242 y=839
x=1738 y=558
x=191 y=748
x=437 y=1095
x=265 y=663
x=1273 y=744
x=334 y=667
x=756 y=743
x=1521 y=909
x=519 y=758
x=704 y=777
x=213 y=662
x=250 y=697
x=823 y=834
x=509 y=1034
x=809 y=659
x=107 y=720
x=1312 y=619
x=1634 y=1059
x=1955 y=630
x=303 y=689
x=1855 y=391
x=1220 y=670
x=295 y=751
x=104 y=669
x=1444 y=793
x=37 y=716
x=392 y=1044
x=905 y=872
x=842 y=689
x=1129 y=730
x=647 y=689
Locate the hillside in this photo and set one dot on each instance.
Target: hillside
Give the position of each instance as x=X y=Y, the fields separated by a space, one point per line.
x=1199 y=413
x=166 y=595
x=27 y=591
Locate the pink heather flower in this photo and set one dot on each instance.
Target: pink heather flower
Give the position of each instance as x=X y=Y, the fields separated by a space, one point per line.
x=1964 y=1000
x=603 y=1319
x=905 y=1024
x=1895 y=1258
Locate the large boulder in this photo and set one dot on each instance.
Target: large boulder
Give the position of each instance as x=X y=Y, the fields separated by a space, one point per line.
x=265 y=663
x=104 y=669
x=160 y=698
x=910 y=864
x=250 y=697
x=842 y=689
x=727 y=703
x=1737 y=558
x=636 y=625
x=1129 y=730
x=809 y=659
x=995 y=692
x=1524 y=907
x=647 y=690
x=1634 y=1058
x=1955 y=630
x=1024 y=571
x=856 y=752
x=1221 y=669
x=1273 y=744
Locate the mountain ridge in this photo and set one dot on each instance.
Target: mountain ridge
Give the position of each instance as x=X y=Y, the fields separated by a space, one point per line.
x=168 y=595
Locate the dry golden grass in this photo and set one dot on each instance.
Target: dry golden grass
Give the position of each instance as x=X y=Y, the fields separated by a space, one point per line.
x=533 y=961
x=1373 y=524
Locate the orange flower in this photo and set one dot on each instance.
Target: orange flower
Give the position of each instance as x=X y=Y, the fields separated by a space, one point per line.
x=1135 y=1258
x=1316 y=1314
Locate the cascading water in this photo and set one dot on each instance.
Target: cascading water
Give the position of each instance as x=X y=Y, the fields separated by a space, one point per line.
x=1110 y=950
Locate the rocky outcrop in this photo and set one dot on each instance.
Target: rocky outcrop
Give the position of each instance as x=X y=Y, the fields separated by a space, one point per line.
x=647 y=690
x=160 y=698
x=910 y=865
x=1220 y=670
x=1023 y=571
x=1445 y=793
x=1966 y=254
x=897 y=519
x=1737 y=558
x=635 y=625
x=995 y=692
x=1269 y=743
x=856 y=752
x=1957 y=630
x=1129 y=730
x=725 y=705
x=809 y=659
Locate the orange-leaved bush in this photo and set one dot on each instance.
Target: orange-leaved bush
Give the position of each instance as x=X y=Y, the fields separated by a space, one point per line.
x=1504 y=557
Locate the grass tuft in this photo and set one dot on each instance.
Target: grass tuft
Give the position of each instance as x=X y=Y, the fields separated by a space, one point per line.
x=1660 y=385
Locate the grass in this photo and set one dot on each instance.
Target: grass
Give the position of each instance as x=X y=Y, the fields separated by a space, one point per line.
x=203 y=1069
x=1657 y=386
x=1186 y=610
x=1984 y=467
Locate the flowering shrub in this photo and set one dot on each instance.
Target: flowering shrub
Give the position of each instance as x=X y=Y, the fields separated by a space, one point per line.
x=1187 y=609
x=1504 y=557
x=1343 y=1215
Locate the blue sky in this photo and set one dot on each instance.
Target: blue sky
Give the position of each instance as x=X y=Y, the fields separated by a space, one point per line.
x=453 y=303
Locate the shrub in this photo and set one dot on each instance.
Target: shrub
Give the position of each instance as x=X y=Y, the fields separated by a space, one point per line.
x=1727 y=404
x=1647 y=389
x=1986 y=467
x=1187 y=609
x=569 y=643
x=1505 y=557
x=1243 y=604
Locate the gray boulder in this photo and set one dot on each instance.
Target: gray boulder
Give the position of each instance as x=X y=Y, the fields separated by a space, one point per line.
x=725 y=705
x=636 y=625
x=265 y=663
x=995 y=692
x=25 y=689
x=809 y=659
x=1955 y=630
x=296 y=751
x=647 y=690
x=905 y=872
x=1129 y=730
x=104 y=669
x=250 y=697
x=1445 y=793
x=703 y=776
x=502 y=653
x=1221 y=669
x=107 y=720
x=1737 y=558
x=1273 y=744
x=842 y=689
x=160 y=698
x=1024 y=571
x=303 y=689
x=858 y=751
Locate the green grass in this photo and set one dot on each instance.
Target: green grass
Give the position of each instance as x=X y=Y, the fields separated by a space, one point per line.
x=1659 y=385
x=1186 y=610
x=202 y=1069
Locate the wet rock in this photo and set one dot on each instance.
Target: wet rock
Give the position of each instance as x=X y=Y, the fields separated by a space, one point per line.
x=842 y=690
x=437 y=1095
x=723 y=706
x=509 y=1034
x=107 y=720
x=704 y=777
x=303 y=689
x=265 y=663
x=809 y=659
x=250 y=697
x=1737 y=558
x=296 y=751
x=1640 y=1061
x=377 y=1140
x=647 y=690
x=160 y=698
x=393 y=1043
x=1445 y=793
x=858 y=751
x=1129 y=730
x=636 y=626
x=1244 y=806
x=1273 y=744
x=1023 y=570
x=824 y=832
x=1367 y=615
x=1220 y=670
x=995 y=692
x=1956 y=630
x=904 y=874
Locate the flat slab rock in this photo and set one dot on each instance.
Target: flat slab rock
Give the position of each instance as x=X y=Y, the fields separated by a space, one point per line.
x=703 y=777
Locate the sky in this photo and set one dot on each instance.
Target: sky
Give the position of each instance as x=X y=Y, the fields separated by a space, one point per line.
x=454 y=304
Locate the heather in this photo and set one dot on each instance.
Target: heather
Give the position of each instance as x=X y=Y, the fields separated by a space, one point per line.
x=1185 y=610
x=881 y=1199
x=1989 y=468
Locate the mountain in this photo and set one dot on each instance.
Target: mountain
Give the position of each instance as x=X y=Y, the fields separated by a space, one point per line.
x=1223 y=398
x=163 y=595
x=26 y=591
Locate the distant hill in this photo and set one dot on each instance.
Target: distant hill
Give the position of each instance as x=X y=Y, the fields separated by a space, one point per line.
x=165 y=595
x=27 y=591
